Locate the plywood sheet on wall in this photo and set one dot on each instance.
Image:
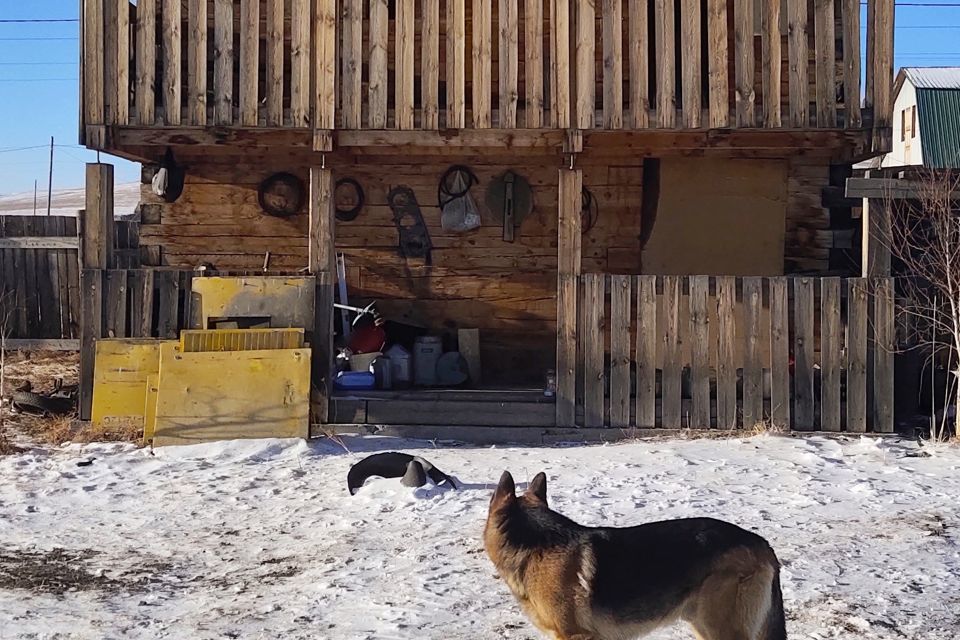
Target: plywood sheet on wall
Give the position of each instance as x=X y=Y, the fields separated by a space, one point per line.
x=720 y=217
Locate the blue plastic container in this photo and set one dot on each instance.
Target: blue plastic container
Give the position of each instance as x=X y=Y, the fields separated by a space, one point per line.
x=355 y=380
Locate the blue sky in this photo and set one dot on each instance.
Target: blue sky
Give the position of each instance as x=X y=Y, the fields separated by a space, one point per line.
x=38 y=85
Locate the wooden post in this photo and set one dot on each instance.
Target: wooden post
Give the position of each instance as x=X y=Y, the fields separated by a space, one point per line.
x=300 y=62
x=857 y=314
x=93 y=96
x=95 y=250
x=456 y=63
x=726 y=362
x=197 y=60
x=646 y=352
x=803 y=354
x=594 y=376
x=171 y=63
x=568 y=276
x=884 y=346
x=699 y=352
x=875 y=239
x=883 y=27
x=223 y=62
x=752 y=361
x=323 y=267
x=249 y=61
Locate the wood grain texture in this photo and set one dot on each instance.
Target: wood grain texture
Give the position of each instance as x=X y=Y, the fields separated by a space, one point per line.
x=586 y=63
x=771 y=63
x=884 y=348
x=850 y=10
x=753 y=362
x=798 y=57
x=197 y=61
x=300 y=62
x=122 y=88
x=613 y=64
x=509 y=40
x=351 y=61
x=646 y=358
x=665 y=71
x=803 y=350
x=826 y=61
x=561 y=111
x=857 y=316
x=482 y=56
x=718 y=78
x=533 y=25
x=639 y=29
x=690 y=32
x=456 y=38
x=223 y=62
x=620 y=355
x=171 y=63
x=831 y=349
x=779 y=354
x=743 y=55
x=699 y=352
x=146 y=61
x=671 y=404
x=430 y=65
x=325 y=63
x=377 y=86
x=726 y=363
x=93 y=62
x=274 y=60
x=249 y=62
x=405 y=35
x=568 y=272
x=594 y=374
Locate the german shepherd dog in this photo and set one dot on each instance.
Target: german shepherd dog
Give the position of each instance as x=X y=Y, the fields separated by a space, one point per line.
x=606 y=583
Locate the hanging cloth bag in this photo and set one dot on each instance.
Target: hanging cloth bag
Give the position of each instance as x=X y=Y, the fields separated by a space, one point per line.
x=458 y=211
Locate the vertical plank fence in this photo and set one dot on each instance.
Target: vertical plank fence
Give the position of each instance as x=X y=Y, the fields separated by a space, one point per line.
x=726 y=353
x=417 y=64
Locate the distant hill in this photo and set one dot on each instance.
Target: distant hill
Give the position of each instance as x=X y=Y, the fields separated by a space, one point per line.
x=66 y=202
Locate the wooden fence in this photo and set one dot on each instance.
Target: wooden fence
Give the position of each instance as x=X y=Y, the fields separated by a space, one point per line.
x=374 y=64
x=725 y=352
x=40 y=274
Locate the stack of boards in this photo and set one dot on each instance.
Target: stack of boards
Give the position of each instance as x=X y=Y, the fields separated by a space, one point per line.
x=211 y=384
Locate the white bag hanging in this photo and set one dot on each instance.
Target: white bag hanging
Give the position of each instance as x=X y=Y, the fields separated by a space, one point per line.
x=459 y=213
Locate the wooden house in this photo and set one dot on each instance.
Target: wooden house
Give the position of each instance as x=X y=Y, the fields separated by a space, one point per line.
x=703 y=283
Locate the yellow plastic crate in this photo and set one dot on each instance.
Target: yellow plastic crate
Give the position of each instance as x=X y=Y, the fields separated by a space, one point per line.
x=193 y=340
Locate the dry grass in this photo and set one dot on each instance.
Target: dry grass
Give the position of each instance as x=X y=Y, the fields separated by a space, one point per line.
x=766 y=427
x=7 y=448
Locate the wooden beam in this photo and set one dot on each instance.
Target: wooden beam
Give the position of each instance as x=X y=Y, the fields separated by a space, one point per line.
x=197 y=59
x=41 y=344
x=666 y=47
x=586 y=64
x=377 y=62
x=799 y=61
x=171 y=63
x=743 y=29
x=620 y=320
x=430 y=65
x=718 y=81
x=322 y=264
x=110 y=59
x=779 y=354
x=888 y=188
x=831 y=348
x=300 y=63
x=639 y=63
x=122 y=89
x=93 y=87
x=533 y=23
x=883 y=352
x=568 y=276
x=223 y=62
x=91 y=329
x=857 y=316
x=826 y=57
x=613 y=63
x=351 y=59
x=771 y=63
x=98 y=222
x=560 y=95
x=40 y=242
x=646 y=352
x=509 y=22
x=593 y=286
x=851 y=62
x=249 y=62
x=456 y=17
x=699 y=353
x=146 y=60
x=883 y=74
x=876 y=238
x=690 y=32
x=325 y=63
x=481 y=63
x=405 y=36
x=274 y=67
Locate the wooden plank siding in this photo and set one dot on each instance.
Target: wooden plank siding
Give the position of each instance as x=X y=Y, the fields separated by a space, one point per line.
x=532 y=63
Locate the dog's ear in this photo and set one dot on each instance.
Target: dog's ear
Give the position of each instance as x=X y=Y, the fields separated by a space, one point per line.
x=538 y=486
x=506 y=489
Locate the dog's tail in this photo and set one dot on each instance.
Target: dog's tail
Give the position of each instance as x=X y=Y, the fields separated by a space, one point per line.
x=775 y=626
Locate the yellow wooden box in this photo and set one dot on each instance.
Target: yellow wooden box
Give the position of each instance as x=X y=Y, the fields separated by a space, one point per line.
x=222 y=395
x=121 y=368
x=240 y=339
x=286 y=301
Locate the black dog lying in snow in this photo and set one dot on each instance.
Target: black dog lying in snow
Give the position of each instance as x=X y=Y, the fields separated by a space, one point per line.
x=413 y=471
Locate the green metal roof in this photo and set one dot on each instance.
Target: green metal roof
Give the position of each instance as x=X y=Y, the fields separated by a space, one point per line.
x=939 y=113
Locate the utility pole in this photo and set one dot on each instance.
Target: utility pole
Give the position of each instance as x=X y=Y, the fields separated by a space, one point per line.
x=34 y=197
x=50 y=178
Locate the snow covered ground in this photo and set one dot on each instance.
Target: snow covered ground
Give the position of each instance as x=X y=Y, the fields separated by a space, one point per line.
x=66 y=202
x=260 y=539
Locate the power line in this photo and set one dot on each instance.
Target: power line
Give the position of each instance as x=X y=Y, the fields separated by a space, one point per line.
x=38 y=79
x=20 y=64
x=35 y=39
x=36 y=20
x=12 y=149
